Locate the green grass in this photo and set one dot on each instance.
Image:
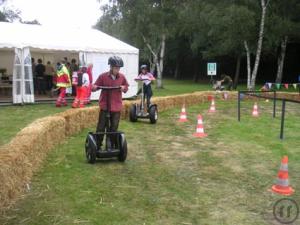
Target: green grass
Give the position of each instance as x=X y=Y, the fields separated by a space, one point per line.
x=14 y=118
x=170 y=177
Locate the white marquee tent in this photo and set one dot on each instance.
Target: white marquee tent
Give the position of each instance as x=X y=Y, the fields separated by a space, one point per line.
x=20 y=42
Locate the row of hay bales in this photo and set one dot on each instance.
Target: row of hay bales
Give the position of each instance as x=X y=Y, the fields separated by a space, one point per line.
x=23 y=155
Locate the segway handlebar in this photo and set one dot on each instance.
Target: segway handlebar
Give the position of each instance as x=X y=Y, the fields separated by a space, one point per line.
x=138 y=79
x=108 y=88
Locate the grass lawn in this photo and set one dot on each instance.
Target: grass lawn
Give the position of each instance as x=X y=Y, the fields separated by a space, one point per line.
x=170 y=177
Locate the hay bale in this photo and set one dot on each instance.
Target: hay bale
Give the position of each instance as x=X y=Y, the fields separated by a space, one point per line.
x=78 y=119
x=22 y=156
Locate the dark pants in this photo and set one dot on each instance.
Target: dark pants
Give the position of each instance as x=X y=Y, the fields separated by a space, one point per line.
x=147 y=94
x=114 y=124
x=41 y=85
x=48 y=81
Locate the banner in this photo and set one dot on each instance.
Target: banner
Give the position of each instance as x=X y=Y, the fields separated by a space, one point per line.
x=270 y=85
x=295 y=86
x=278 y=86
x=286 y=86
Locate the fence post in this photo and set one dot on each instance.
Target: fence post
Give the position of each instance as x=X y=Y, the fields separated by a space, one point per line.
x=274 y=104
x=282 y=119
x=239 y=107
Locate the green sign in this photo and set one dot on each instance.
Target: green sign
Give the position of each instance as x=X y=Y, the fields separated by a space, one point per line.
x=211 y=69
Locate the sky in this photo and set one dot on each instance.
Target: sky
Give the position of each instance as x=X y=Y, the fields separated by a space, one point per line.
x=75 y=13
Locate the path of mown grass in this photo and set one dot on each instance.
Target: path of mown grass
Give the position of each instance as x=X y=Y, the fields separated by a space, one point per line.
x=170 y=177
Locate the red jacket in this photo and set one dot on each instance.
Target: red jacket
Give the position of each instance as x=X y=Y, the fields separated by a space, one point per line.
x=105 y=79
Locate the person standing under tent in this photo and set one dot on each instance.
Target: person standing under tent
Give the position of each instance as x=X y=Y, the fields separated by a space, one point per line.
x=69 y=89
x=63 y=82
x=49 y=72
x=73 y=69
x=40 y=77
x=82 y=83
x=89 y=91
x=112 y=78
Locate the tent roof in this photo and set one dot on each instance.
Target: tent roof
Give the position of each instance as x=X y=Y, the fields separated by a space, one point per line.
x=16 y=35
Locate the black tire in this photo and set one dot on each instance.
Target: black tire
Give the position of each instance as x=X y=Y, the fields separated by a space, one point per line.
x=123 y=149
x=132 y=114
x=90 y=149
x=153 y=114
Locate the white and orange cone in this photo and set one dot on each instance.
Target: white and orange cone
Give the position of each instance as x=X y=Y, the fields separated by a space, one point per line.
x=183 y=116
x=255 y=110
x=212 y=108
x=200 y=130
x=282 y=185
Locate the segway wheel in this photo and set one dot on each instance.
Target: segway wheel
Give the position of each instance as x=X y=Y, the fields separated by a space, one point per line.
x=132 y=114
x=123 y=149
x=153 y=114
x=90 y=149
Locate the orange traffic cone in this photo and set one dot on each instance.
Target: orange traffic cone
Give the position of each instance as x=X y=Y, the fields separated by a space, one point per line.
x=183 y=117
x=255 y=110
x=212 y=108
x=282 y=187
x=200 y=130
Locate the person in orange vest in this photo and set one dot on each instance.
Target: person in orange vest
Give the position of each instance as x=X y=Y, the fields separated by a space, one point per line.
x=82 y=83
x=63 y=82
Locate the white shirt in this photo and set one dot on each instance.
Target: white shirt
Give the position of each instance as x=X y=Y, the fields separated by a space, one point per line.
x=147 y=76
x=85 y=80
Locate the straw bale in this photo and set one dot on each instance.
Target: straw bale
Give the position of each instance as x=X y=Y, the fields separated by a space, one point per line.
x=22 y=156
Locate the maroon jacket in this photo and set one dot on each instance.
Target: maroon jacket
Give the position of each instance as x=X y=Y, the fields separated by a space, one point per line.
x=105 y=79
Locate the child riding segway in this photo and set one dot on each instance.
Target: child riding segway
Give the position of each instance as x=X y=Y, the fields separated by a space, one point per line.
x=112 y=84
x=138 y=110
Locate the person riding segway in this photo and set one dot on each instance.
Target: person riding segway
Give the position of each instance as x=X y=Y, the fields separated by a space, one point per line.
x=112 y=84
x=138 y=111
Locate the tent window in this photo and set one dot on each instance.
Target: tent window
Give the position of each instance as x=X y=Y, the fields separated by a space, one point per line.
x=27 y=72
x=18 y=87
x=19 y=71
x=27 y=88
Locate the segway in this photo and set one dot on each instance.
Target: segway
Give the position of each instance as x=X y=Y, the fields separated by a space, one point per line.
x=138 y=110
x=114 y=147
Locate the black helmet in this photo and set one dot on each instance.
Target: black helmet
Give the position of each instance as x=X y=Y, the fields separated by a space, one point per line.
x=115 y=61
x=143 y=67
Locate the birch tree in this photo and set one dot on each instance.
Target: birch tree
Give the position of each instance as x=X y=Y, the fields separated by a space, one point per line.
x=264 y=6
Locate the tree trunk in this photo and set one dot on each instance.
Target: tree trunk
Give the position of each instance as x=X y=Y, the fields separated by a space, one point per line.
x=281 y=59
x=160 y=62
x=158 y=59
x=152 y=64
x=259 y=43
x=248 y=65
x=176 y=73
x=237 y=71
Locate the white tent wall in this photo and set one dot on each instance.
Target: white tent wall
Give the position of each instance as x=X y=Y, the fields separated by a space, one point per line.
x=130 y=70
x=43 y=44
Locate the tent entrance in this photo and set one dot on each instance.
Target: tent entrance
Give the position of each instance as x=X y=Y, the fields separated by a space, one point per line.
x=18 y=83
